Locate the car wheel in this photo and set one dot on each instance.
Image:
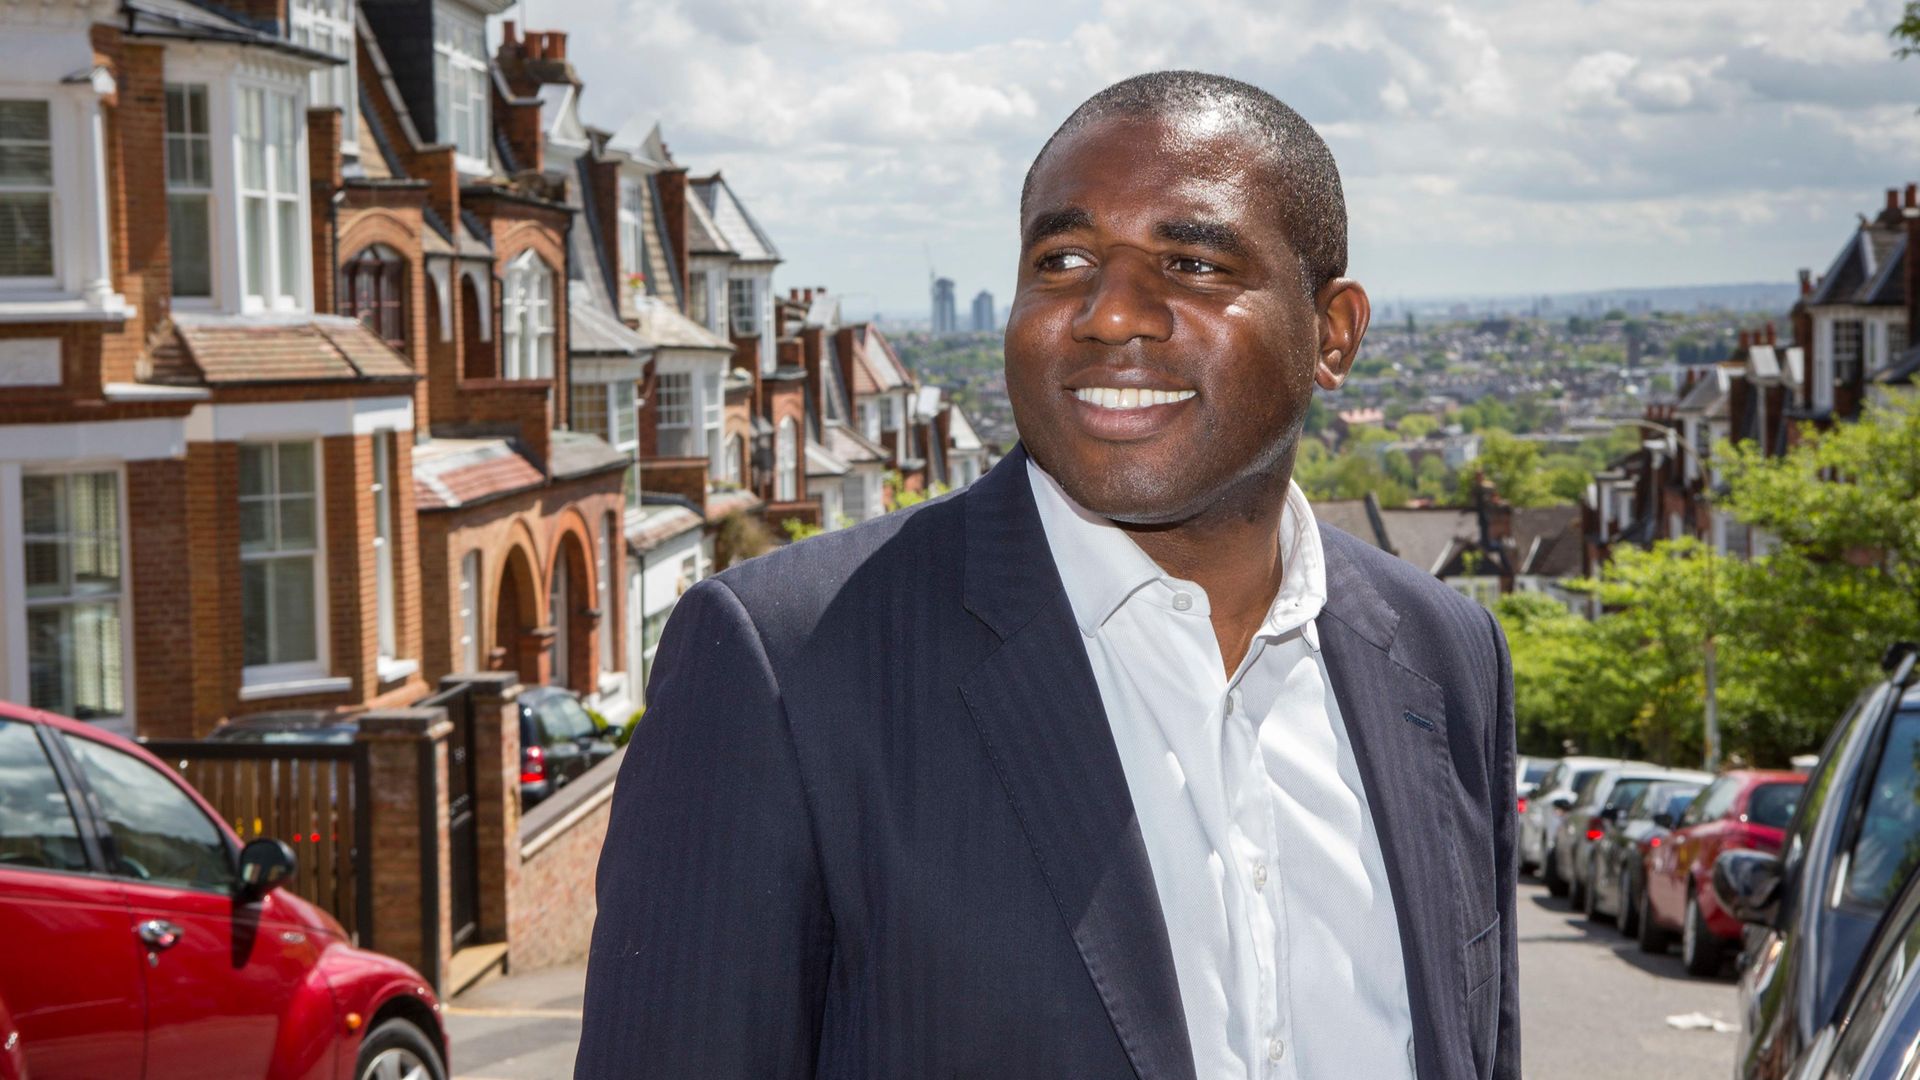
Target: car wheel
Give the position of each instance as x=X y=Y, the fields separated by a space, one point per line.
x=1699 y=952
x=1627 y=918
x=1550 y=873
x=1652 y=937
x=1590 y=894
x=397 y=1050
x=1577 y=887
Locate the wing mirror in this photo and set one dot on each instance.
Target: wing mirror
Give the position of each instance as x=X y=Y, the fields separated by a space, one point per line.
x=265 y=864
x=1563 y=803
x=1611 y=813
x=1748 y=884
x=1663 y=819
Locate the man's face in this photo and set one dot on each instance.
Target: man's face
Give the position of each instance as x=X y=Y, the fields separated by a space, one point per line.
x=1161 y=348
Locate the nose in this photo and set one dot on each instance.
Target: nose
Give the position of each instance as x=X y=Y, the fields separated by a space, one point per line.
x=1126 y=301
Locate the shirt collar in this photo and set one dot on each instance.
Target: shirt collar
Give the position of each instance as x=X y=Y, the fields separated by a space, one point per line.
x=1102 y=568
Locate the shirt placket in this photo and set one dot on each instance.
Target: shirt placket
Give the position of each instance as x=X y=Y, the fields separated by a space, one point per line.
x=1262 y=932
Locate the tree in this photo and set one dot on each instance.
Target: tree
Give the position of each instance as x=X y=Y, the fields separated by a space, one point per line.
x=1514 y=467
x=1907 y=30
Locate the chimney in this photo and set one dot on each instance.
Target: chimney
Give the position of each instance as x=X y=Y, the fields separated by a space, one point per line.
x=509 y=33
x=672 y=184
x=1806 y=282
x=1893 y=198
x=1913 y=194
x=556 y=44
x=1771 y=340
x=793 y=294
x=1746 y=340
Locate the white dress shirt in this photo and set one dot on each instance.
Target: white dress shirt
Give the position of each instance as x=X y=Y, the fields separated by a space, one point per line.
x=1255 y=818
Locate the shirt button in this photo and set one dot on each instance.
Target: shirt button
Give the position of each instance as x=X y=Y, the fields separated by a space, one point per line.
x=1182 y=601
x=1259 y=877
x=1276 y=1050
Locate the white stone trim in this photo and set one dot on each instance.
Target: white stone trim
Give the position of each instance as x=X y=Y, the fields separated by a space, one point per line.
x=98 y=440
x=293 y=419
x=292 y=687
x=30 y=361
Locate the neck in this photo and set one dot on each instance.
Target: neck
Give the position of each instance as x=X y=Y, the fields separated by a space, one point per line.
x=1232 y=550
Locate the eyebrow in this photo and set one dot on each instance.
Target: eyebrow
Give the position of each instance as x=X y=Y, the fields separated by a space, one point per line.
x=1052 y=223
x=1211 y=235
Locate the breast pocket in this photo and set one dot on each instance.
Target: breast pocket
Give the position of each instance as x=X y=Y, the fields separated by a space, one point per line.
x=1482 y=957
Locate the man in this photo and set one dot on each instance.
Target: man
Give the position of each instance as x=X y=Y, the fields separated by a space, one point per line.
x=1113 y=764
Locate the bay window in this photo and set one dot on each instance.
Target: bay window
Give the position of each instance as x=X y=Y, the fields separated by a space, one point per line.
x=786 y=461
x=460 y=83
x=711 y=402
x=389 y=636
x=26 y=191
x=189 y=191
x=1849 y=345
x=271 y=227
x=327 y=26
x=527 y=319
x=280 y=558
x=673 y=404
x=75 y=583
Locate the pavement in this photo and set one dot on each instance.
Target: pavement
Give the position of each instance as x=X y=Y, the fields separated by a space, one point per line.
x=1592 y=1005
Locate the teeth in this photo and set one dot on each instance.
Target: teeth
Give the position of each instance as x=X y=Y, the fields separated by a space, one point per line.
x=1108 y=397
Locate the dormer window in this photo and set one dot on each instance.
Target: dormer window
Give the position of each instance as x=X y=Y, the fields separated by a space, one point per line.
x=327 y=26
x=272 y=233
x=26 y=192
x=460 y=83
x=527 y=319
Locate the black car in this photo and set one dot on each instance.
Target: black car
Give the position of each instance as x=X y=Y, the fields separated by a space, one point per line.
x=558 y=742
x=1812 y=910
x=1617 y=869
x=1875 y=1033
x=290 y=726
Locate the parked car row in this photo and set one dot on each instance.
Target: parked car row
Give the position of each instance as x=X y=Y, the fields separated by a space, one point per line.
x=142 y=940
x=1808 y=880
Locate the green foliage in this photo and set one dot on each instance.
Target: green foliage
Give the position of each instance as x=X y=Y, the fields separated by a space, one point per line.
x=1417 y=426
x=739 y=537
x=1513 y=465
x=798 y=530
x=1907 y=30
x=1796 y=631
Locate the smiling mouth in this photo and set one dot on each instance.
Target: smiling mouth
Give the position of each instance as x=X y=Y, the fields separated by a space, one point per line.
x=1109 y=397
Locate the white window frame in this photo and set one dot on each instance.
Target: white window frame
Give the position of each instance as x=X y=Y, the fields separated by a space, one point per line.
x=389 y=663
x=733 y=449
x=710 y=399
x=632 y=237
x=184 y=189
x=277 y=675
x=464 y=123
x=283 y=256
x=673 y=401
x=470 y=621
x=603 y=582
x=743 y=317
x=853 y=496
x=786 y=461
x=15 y=673
x=527 y=318
x=50 y=189
x=328 y=26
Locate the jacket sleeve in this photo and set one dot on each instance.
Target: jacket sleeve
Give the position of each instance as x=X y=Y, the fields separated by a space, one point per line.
x=1506 y=1059
x=711 y=948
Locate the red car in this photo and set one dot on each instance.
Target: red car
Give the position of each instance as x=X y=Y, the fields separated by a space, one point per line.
x=143 y=941
x=1745 y=808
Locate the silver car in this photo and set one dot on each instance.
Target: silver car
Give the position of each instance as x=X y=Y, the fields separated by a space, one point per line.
x=1541 y=819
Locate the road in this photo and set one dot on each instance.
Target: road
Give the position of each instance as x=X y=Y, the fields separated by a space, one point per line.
x=1591 y=1006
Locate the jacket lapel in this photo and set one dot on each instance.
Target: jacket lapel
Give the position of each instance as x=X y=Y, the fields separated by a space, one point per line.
x=1039 y=714
x=1396 y=719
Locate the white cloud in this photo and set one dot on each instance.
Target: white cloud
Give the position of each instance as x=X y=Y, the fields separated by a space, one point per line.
x=1488 y=145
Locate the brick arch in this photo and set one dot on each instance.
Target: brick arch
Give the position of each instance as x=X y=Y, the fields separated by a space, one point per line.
x=576 y=650
x=380 y=226
x=517 y=603
x=534 y=236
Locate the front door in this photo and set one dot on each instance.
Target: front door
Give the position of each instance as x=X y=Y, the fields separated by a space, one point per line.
x=221 y=977
x=69 y=972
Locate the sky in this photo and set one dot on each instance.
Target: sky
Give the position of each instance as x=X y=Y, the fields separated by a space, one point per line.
x=1486 y=147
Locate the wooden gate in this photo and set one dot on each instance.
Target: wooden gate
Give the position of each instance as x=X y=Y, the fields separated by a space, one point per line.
x=316 y=797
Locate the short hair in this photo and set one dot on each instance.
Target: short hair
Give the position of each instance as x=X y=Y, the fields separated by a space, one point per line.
x=1313 y=207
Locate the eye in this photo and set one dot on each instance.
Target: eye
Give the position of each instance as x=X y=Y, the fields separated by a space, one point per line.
x=1187 y=264
x=1055 y=261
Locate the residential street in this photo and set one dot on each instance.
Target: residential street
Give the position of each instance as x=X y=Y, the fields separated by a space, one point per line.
x=1592 y=1004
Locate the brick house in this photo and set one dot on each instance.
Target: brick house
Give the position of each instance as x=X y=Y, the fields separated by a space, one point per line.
x=270 y=436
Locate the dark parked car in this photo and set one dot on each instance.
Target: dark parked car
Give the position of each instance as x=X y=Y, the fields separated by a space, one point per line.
x=141 y=940
x=558 y=741
x=1603 y=796
x=1813 y=908
x=1875 y=1032
x=1616 y=878
x=1746 y=809
x=1540 y=817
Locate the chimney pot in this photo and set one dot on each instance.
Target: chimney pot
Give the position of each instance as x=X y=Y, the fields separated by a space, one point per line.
x=509 y=32
x=793 y=293
x=1806 y=282
x=1913 y=194
x=557 y=44
x=536 y=46
x=1893 y=198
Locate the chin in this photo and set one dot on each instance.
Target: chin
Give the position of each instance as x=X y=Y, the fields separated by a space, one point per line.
x=1136 y=496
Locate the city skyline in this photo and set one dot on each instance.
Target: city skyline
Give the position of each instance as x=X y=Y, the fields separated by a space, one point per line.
x=1487 y=148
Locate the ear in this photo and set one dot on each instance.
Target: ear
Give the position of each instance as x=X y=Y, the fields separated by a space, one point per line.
x=1343 y=309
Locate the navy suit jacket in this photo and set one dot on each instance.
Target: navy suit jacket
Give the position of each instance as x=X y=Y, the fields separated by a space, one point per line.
x=874 y=823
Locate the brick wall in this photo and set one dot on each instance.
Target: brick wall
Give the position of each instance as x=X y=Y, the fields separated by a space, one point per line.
x=552 y=913
x=163 y=630
x=136 y=195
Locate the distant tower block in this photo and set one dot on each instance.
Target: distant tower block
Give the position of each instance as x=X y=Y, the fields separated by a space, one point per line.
x=983 y=320
x=946 y=319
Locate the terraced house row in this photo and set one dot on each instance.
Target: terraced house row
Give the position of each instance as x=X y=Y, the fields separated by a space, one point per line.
x=339 y=353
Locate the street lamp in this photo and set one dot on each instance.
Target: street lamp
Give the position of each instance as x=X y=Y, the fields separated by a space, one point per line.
x=1672 y=441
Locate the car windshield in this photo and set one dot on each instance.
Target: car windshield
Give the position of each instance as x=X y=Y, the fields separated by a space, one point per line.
x=566 y=719
x=1625 y=792
x=1678 y=804
x=1773 y=804
x=1537 y=771
x=1888 y=845
x=1583 y=782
